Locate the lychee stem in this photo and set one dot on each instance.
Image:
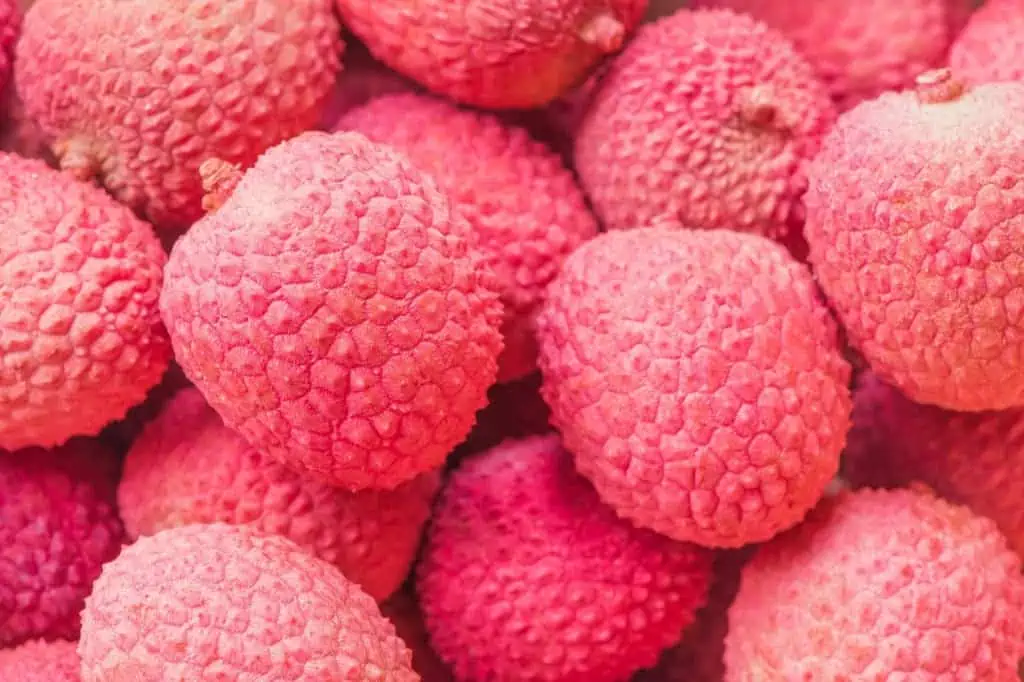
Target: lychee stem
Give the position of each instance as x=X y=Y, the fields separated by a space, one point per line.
x=219 y=180
x=604 y=32
x=77 y=156
x=938 y=85
x=759 y=107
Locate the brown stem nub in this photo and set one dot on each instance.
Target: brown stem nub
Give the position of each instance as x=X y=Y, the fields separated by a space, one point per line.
x=77 y=156
x=938 y=85
x=759 y=107
x=604 y=32
x=219 y=180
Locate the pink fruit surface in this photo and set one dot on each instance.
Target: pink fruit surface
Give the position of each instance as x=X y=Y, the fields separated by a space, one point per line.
x=988 y=49
x=40 y=661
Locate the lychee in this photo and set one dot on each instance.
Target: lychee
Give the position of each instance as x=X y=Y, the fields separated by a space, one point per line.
x=988 y=49
x=230 y=603
x=81 y=339
x=706 y=119
x=527 y=576
x=40 y=661
x=523 y=205
x=138 y=93
x=58 y=526
x=187 y=467
x=332 y=312
x=880 y=585
x=914 y=212
x=862 y=49
x=10 y=24
x=697 y=378
x=494 y=53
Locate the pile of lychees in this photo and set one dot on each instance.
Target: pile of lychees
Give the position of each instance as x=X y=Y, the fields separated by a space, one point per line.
x=511 y=340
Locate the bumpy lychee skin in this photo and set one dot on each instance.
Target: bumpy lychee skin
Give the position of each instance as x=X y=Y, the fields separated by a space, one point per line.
x=696 y=376
x=81 y=339
x=495 y=53
x=707 y=119
x=187 y=467
x=914 y=213
x=58 y=526
x=138 y=93
x=527 y=576
x=524 y=206
x=988 y=49
x=10 y=25
x=975 y=459
x=332 y=313
x=880 y=585
x=863 y=49
x=224 y=602
x=40 y=661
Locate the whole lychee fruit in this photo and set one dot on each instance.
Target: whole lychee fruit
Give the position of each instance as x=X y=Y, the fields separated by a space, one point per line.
x=697 y=378
x=988 y=49
x=914 y=213
x=880 y=585
x=187 y=467
x=40 y=661
x=81 y=339
x=862 y=49
x=706 y=119
x=494 y=53
x=523 y=205
x=332 y=312
x=527 y=576
x=58 y=526
x=138 y=93
x=230 y=603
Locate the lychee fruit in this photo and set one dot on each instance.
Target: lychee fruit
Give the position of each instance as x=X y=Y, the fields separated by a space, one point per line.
x=187 y=467
x=880 y=585
x=10 y=24
x=81 y=339
x=523 y=205
x=526 y=575
x=503 y=54
x=914 y=212
x=333 y=314
x=138 y=93
x=58 y=526
x=975 y=459
x=230 y=603
x=706 y=119
x=988 y=49
x=862 y=49
x=697 y=378
x=403 y=611
x=40 y=661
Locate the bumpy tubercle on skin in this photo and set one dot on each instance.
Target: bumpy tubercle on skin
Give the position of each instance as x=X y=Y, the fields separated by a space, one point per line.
x=758 y=107
x=219 y=180
x=604 y=32
x=939 y=85
x=77 y=156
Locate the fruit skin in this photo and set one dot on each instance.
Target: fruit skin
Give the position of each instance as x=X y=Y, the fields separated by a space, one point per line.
x=974 y=459
x=361 y=336
x=229 y=603
x=39 y=661
x=523 y=205
x=914 y=212
x=138 y=93
x=526 y=575
x=987 y=50
x=880 y=585
x=861 y=50
x=706 y=119
x=501 y=54
x=696 y=376
x=10 y=25
x=81 y=339
x=187 y=467
x=58 y=526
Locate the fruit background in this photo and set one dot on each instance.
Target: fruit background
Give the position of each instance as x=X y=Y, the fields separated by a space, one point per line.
x=511 y=341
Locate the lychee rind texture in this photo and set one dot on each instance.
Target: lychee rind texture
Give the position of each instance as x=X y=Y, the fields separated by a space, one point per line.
x=914 y=212
x=527 y=576
x=40 y=661
x=503 y=54
x=81 y=340
x=138 y=93
x=187 y=467
x=524 y=207
x=10 y=25
x=58 y=526
x=205 y=602
x=880 y=585
x=988 y=49
x=332 y=313
x=706 y=119
x=697 y=378
x=863 y=49
x=975 y=459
